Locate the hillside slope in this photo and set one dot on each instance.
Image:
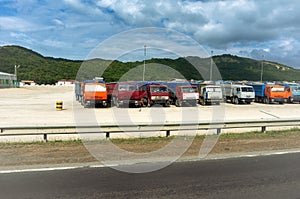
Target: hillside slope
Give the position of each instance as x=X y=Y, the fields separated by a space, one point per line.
x=47 y=70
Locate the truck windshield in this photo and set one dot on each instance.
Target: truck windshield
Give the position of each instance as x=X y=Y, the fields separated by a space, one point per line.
x=127 y=87
x=247 y=89
x=189 y=89
x=157 y=89
x=277 y=89
x=95 y=88
x=296 y=89
x=213 y=89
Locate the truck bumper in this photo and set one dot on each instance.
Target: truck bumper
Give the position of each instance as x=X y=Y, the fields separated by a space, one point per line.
x=130 y=102
x=213 y=101
x=246 y=100
x=280 y=100
x=193 y=102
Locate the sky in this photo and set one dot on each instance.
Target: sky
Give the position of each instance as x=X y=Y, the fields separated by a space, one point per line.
x=73 y=29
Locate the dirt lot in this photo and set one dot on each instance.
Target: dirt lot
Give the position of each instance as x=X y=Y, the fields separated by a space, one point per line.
x=36 y=106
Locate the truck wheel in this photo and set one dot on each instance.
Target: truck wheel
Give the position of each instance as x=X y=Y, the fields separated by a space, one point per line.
x=291 y=100
x=178 y=103
x=266 y=100
x=85 y=104
x=167 y=104
x=145 y=102
x=236 y=100
x=232 y=100
x=117 y=104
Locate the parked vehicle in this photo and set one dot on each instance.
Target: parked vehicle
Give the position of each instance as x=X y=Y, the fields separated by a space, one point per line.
x=239 y=93
x=295 y=88
x=270 y=93
x=183 y=93
x=210 y=93
x=156 y=93
x=93 y=93
x=127 y=94
x=78 y=93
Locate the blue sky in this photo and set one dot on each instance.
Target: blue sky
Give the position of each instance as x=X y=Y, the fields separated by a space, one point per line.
x=73 y=28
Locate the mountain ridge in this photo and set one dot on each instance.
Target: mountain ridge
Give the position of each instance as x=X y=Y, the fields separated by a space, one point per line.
x=48 y=70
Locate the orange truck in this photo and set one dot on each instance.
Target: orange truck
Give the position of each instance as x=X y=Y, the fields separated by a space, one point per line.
x=93 y=93
x=270 y=93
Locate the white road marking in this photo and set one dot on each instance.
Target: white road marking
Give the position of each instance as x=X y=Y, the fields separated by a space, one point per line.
x=213 y=157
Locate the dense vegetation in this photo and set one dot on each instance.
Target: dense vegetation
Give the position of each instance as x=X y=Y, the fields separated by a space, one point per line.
x=48 y=70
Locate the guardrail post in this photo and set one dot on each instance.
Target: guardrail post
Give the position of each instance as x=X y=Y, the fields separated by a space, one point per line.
x=107 y=135
x=168 y=133
x=45 y=137
x=263 y=129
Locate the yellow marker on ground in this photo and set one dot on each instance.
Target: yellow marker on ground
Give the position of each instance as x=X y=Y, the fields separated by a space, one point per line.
x=59 y=105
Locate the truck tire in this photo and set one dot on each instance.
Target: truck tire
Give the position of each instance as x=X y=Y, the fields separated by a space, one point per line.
x=266 y=100
x=167 y=104
x=85 y=104
x=232 y=100
x=236 y=100
x=178 y=103
x=117 y=104
x=202 y=102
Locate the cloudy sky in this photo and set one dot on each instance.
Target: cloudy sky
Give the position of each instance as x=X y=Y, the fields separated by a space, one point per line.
x=259 y=29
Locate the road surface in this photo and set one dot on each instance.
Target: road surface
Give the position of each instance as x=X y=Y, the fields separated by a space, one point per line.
x=276 y=176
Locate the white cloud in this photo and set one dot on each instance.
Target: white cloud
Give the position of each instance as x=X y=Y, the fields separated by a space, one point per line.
x=230 y=26
x=15 y=24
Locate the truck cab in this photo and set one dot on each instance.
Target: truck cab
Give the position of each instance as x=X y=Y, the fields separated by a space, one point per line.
x=93 y=93
x=239 y=93
x=295 y=88
x=210 y=94
x=183 y=93
x=128 y=94
x=157 y=94
x=277 y=93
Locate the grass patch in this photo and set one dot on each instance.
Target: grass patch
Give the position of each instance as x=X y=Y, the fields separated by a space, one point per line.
x=49 y=143
x=163 y=140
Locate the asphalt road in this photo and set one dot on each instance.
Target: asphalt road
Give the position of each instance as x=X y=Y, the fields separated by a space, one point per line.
x=276 y=176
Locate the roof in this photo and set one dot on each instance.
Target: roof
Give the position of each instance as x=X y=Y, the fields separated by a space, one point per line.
x=2 y=73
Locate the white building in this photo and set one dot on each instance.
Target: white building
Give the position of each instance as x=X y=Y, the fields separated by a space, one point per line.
x=8 y=80
x=65 y=82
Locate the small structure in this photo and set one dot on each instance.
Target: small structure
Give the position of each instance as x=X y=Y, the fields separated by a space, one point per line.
x=27 y=83
x=65 y=82
x=8 y=80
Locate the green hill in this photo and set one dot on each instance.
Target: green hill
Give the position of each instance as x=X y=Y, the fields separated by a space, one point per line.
x=48 y=70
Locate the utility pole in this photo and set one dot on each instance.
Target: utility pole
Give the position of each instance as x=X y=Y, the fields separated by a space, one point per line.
x=16 y=67
x=262 y=69
x=211 y=64
x=144 y=62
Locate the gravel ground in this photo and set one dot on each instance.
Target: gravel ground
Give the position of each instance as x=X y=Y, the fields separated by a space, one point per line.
x=36 y=106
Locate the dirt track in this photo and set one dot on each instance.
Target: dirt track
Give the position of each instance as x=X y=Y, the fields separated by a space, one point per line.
x=75 y=152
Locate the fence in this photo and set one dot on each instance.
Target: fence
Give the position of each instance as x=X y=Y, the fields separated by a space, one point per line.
x=144 y=127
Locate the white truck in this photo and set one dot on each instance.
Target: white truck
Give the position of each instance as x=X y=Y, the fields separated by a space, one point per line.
x=210 y=94
x=239 y=93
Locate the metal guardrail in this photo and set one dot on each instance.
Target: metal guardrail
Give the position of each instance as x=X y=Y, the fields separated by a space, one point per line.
x=144 y=127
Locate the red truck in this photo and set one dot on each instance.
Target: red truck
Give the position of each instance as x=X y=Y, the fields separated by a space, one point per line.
x=137 y=94
x=125 y=94
x=183 y=93
x=156 y=93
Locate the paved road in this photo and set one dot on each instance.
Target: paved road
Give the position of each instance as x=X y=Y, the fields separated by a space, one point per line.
x=275 y=176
